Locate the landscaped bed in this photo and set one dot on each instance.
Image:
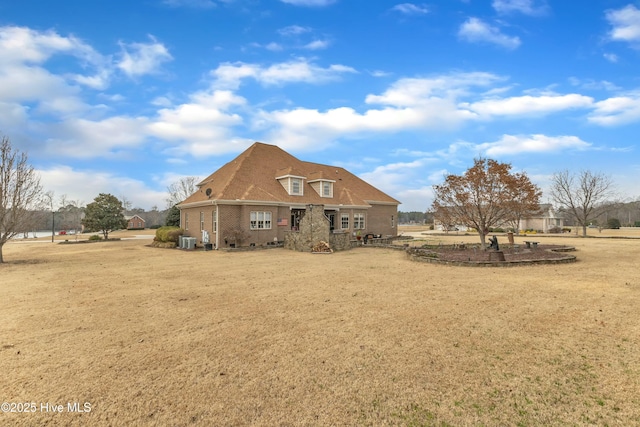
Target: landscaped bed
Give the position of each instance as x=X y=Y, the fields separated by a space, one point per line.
x=473 y=255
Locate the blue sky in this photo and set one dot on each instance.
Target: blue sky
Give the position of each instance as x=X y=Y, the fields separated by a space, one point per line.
x=126 y=97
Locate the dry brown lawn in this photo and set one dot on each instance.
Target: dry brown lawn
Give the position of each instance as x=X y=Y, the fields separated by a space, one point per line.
x=364 y=337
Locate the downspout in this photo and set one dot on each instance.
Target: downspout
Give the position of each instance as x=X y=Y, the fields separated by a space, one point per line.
x=217 y=227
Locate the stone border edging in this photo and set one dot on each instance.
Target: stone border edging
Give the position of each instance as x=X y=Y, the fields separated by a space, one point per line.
x=564 y=260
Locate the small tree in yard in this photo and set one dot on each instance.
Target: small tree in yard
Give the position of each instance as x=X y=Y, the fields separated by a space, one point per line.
x=613 y=223
x=581 y=195
x=20 y=193
x=104 y=214
x=173 y=217
x=485 y=196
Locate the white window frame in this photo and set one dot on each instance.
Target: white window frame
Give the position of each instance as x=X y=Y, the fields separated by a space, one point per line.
x=293 y=190
x=214 y=223
x=260 y=220
x=343 y=217
x=201 y=220
x=326 y=188
x=358 y=221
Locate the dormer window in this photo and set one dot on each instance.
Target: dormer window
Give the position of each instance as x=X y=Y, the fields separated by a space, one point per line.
x=324 y=187
x=293 y=184
x=296 y=186
x=327 y=189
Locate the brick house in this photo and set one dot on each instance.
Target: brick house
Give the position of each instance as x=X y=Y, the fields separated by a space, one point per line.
x=135 y=222
x=263 y=195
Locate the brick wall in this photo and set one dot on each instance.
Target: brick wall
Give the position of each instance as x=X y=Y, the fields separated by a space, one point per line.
x=238 y=217
x=379 y=220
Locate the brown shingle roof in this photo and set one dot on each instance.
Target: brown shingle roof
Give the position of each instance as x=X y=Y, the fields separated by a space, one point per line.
x=252 y=177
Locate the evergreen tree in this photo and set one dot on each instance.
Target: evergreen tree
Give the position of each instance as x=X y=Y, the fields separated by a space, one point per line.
x=104 y=214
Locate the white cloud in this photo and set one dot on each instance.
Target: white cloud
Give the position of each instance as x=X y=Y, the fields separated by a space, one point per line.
x=525 y=105
x=415 y=91
x=230 y=75
x=23 y=77
x=617 y=110
x=516 y=144
x=83 y=138
x=143 y=58
x=625 y=23
x=99 y=81
x=611 y=57
x=274 y=47
x=526 y=7
x=594 y=84
x=85 y=185
x=409 y=104
x=201 y=127
x=24 y=45
x=380 y=73
x=475 y=30
x=410 y=9
x=317 y=45
x=293 y=30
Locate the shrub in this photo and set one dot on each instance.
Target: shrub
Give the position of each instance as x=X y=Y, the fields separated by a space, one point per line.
x=566 y=230
x=613 y=223
x=168 y=234
x=555 y=230
x=95 y=237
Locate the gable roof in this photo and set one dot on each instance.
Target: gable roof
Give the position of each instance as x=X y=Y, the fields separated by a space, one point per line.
x=251 y=177
x=130 y=217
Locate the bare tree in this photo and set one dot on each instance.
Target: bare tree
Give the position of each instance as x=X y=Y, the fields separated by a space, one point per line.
x=126 y=204
x=20 y=193
x=70 y=214
x=581 y=195
x=181 y=189
x=485 y=196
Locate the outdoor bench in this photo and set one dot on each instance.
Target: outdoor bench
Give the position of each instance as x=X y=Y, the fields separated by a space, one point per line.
x=529 y=244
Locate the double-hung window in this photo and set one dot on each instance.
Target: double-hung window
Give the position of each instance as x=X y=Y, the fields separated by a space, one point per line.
x=344 y=221
x=296 y=186
x=358 y=221
x=327 y=188
x=260 y=220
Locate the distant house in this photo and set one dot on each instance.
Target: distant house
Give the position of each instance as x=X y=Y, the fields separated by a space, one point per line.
x=544 y=220
x=263 y=196
x=135 y=222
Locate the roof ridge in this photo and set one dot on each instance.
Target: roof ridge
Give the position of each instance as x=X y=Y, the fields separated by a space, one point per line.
x=240 y=159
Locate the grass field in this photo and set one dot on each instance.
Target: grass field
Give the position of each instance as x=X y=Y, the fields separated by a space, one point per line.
x=363 y=337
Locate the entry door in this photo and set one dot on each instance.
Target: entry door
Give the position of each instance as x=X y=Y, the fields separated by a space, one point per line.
x=332 y=220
